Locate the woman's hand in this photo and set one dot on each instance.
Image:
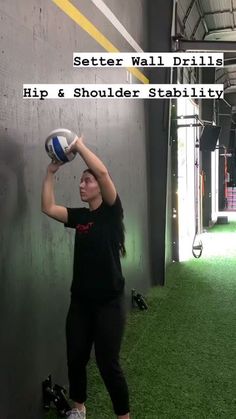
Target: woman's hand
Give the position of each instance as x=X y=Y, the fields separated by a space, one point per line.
x=75 y=145
x=54 y=166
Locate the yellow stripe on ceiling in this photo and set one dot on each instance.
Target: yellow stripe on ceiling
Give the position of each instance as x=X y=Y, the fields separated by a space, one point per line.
x=81 y=20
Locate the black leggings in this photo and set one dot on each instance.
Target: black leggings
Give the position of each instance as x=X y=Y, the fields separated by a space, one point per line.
x=102 y=324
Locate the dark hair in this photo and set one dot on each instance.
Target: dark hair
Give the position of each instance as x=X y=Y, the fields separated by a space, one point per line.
x=91 y=172
x=121 y=226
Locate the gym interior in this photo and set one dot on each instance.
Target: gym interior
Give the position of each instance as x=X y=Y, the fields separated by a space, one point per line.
x=174 y=165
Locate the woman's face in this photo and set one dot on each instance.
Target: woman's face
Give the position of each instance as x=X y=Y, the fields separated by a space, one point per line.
x=89 y=187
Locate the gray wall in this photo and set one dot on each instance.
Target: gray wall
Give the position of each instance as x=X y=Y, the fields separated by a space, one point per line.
x=37 y=42
x=159 y=20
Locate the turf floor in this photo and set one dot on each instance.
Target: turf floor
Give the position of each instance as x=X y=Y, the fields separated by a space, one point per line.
x=179 y=356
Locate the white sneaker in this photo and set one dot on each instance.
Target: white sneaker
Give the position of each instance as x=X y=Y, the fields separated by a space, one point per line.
x=76 y=414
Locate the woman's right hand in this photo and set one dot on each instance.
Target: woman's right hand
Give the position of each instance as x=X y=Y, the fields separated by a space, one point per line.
x=54 y=166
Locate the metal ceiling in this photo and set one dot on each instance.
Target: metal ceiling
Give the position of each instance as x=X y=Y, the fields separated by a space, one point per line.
x=200 y=19
x=212 y=20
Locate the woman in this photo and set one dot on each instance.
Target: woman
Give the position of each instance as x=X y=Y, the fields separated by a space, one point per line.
x=97 y=308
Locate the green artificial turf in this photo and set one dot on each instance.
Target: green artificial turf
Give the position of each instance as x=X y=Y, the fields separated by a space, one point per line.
x=179 y=356
x=224 y=228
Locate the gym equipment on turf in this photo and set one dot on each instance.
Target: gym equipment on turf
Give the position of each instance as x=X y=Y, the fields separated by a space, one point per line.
x=55 y=394
x=139 y=300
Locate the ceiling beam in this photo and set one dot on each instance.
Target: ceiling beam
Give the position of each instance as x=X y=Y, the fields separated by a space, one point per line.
x=193 y=45
x=231 y=80
x=222 y=30
x=188 y=11
x=231 y=89
x=201 y=12
x=219 y=12
x=230 y=64
x=232 y=14
x=201 y=18
x=180 y=25
x=196 y=27
x=228 y=72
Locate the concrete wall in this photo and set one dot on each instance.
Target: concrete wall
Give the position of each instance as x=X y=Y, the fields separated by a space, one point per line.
x=160 y=20
x=37 y=43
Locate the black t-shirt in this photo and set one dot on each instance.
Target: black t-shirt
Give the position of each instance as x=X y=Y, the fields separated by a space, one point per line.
x=97 y=272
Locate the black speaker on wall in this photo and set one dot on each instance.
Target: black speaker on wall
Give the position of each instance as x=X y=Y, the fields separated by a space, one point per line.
x=209 y=137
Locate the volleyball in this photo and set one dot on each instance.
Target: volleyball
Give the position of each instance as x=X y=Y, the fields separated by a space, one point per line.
x=57 y=143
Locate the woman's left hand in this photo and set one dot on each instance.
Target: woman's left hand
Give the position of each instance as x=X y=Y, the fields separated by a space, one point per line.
x=74 y=146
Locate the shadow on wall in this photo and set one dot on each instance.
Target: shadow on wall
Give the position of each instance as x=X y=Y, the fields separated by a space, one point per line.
x=13 y=199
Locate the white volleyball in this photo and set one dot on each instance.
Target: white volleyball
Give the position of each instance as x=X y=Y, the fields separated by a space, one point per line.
x=57 y=143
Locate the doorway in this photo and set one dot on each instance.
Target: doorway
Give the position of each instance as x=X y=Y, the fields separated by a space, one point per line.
x=189 y=185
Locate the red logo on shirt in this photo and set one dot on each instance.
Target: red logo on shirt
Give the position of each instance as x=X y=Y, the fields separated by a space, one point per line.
x=84 y=228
